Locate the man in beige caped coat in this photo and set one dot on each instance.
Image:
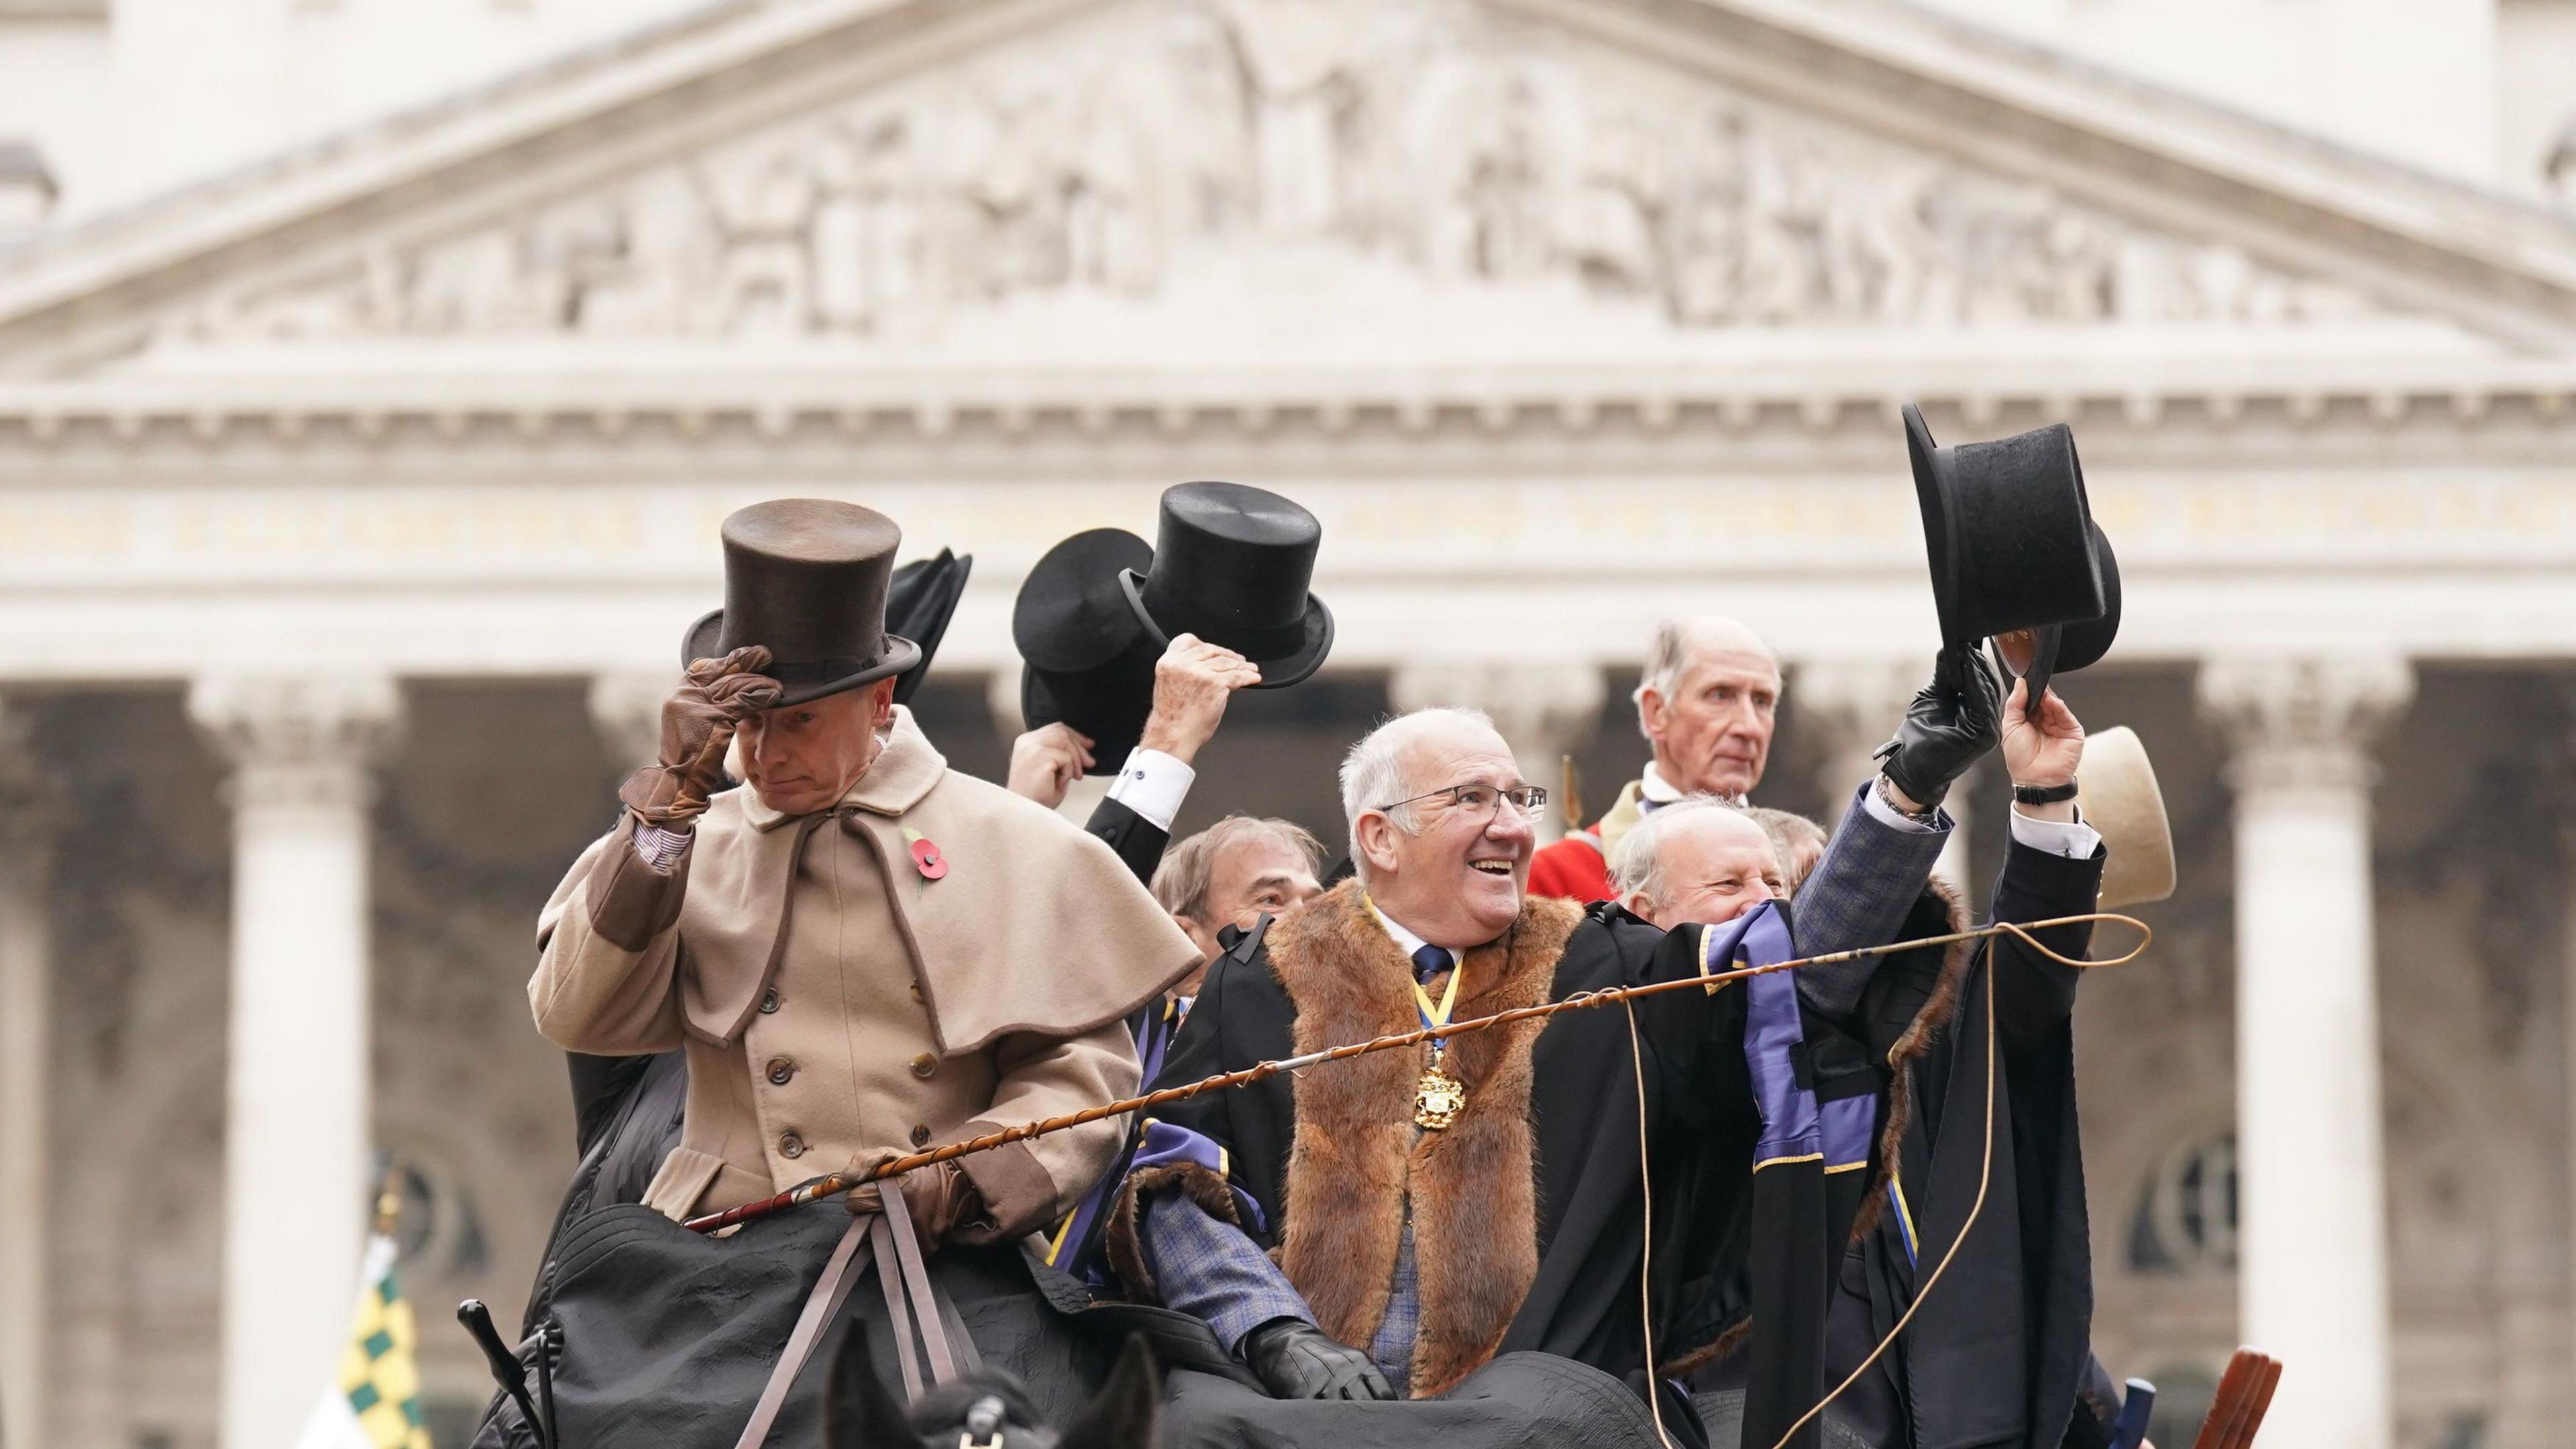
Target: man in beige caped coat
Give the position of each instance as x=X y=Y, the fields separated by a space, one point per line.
x=863 y=951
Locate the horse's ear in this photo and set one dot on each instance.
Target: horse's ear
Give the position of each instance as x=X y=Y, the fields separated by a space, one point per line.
x=858 y=1411
x=1128 y=1412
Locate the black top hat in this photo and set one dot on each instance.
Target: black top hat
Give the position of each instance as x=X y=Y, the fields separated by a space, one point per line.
x=2014 y=549
x=1232 y=565
x=1090 y=660
x=807 y=577
x=2085 y=641
x=919 y=603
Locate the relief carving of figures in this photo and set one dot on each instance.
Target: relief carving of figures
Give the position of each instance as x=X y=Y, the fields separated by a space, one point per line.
x=1293 y=56
x=1479 y=149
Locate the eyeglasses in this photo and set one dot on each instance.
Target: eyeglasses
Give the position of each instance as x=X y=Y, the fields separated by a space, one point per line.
x=1481 y=801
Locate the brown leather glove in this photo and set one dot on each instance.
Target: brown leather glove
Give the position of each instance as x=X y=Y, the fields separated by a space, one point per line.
x=940 y=1198
x=697 y=726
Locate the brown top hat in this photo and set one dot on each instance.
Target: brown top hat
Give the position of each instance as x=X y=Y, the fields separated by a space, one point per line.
x=2117 y=792
x=806 y=577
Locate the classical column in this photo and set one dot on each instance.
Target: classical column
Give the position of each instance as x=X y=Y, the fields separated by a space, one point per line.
x=296 y=1140
x=2312 y=1275
x=1543 y=710
x=2567 y=1058
x=26 y=1076
x=1851 y=706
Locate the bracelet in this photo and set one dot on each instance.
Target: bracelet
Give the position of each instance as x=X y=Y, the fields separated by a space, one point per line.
x=2043 y=794
x=1888 y=796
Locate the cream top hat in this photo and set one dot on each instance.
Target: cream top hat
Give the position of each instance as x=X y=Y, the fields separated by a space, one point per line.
x=2116 y=790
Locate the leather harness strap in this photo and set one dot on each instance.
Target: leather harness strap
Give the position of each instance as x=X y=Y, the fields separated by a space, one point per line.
x=916 y=1282
x=886 y=1239
x=840 y=1273
x=898 y=1309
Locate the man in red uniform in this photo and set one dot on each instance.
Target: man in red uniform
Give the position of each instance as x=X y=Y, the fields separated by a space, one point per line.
x=1707 y=705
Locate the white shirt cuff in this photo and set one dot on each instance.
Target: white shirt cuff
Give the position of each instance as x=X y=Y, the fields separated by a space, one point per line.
x=1153 y=784
x=658 y=847
x=2070 y=838
x=1876 y=803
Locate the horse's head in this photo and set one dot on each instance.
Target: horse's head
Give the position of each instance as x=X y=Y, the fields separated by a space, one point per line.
x=985 y=1410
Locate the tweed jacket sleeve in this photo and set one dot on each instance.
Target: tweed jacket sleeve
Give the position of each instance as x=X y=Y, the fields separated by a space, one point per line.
x=1211 y=1271
x=1858 y=895
x=608 y=951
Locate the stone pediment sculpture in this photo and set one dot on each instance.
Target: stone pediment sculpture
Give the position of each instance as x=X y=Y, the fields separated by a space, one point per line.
x=1160 y=182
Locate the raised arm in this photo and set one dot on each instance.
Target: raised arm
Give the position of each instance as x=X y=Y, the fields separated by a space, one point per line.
x=1893 y=831
x=1192 y=682
x=2053 y=869
x=608 y=940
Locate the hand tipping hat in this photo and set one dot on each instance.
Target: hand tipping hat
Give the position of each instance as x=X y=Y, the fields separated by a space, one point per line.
x=2015 y=554
x=807 y=578
x=1230 y=564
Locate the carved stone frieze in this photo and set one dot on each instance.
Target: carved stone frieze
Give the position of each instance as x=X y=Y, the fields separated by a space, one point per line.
x=1155 y=145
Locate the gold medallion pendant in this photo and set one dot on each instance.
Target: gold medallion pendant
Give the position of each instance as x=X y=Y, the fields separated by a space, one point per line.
x=1437 y=1099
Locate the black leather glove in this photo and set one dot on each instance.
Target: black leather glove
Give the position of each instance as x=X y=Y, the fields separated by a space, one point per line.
x=1296 y=1360
x=1955 y=719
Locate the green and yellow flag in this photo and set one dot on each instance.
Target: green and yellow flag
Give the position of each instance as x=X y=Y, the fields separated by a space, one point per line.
x=376 y=1402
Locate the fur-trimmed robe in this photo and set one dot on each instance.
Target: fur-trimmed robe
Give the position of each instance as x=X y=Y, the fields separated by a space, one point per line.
x=1528 y=1213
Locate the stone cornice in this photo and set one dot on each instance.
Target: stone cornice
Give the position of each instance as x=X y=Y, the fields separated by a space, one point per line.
x=929 y=406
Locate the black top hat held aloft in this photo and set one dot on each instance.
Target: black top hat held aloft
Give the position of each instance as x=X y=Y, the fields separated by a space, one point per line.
x=1230 y=564
x=807 y=579
x=1090 y=661
x=2014 y=552
x=1233 y=565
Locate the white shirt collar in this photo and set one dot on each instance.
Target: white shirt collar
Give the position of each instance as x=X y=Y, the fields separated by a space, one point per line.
x=1656 y=790
x=1405 y=940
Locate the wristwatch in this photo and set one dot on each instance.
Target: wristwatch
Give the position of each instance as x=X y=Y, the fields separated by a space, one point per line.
x=2043 y=794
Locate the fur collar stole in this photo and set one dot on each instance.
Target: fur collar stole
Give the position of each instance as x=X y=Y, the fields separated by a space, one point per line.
x=1359 y=1164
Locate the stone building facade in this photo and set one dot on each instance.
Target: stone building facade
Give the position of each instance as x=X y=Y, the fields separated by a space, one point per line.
x=351 y=506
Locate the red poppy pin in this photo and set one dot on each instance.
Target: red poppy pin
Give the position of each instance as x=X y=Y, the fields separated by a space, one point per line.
x=925 y=856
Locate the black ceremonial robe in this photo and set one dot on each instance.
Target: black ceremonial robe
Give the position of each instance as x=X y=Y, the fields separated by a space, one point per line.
x=1529 y=1216
x=2001 y=1346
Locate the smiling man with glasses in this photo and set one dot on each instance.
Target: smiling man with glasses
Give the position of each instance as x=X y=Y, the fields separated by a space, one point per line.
x=1397 y=1226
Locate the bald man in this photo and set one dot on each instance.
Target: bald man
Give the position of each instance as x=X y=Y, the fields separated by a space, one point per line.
x=1707 y=705
x=1697 y=860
